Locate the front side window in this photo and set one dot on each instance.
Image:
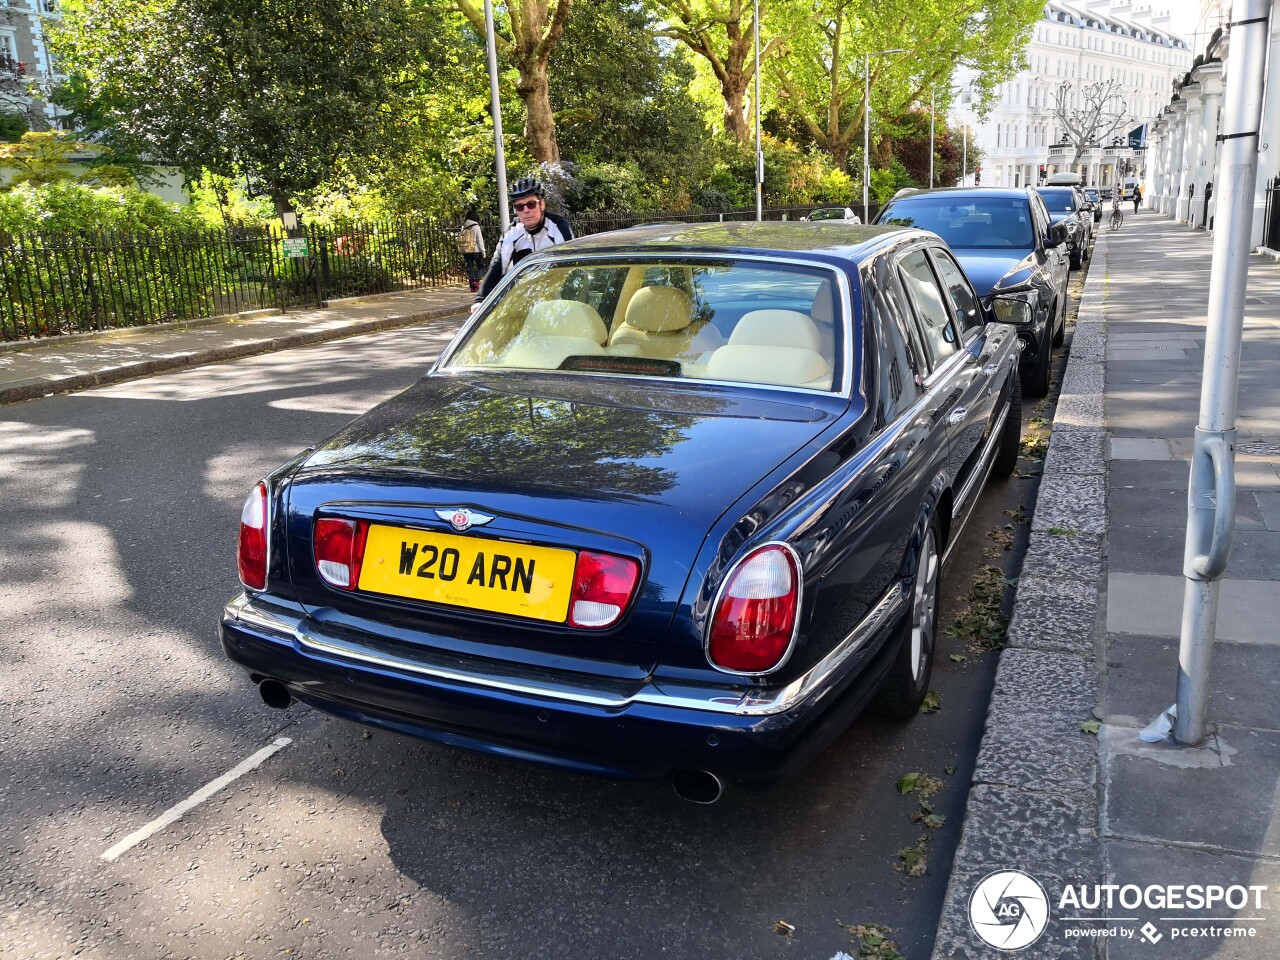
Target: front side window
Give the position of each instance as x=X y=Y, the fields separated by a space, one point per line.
x=935 y=319
x=745 y=321
x=960 y=293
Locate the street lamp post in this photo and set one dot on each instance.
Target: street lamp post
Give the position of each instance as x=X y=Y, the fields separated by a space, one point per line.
x=759 y=150
x=866 y=128
x=499 y=154
x=933 y=106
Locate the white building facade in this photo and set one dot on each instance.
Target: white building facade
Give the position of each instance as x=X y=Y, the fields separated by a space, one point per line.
x=1185 y=149
x=1078 y=43
x=23 y=29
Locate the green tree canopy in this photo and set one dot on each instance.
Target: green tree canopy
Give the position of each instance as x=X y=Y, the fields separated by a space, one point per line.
x=279 y=89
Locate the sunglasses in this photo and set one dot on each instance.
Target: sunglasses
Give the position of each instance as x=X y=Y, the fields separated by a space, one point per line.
x=527 y=205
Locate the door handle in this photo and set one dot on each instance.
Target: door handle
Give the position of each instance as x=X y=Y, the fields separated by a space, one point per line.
x=957 y=416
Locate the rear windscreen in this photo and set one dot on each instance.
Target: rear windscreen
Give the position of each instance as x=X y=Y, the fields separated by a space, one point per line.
x=971 y=222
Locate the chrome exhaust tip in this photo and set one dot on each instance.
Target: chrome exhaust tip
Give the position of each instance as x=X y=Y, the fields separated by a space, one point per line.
x=697 y=786
x=275 y=694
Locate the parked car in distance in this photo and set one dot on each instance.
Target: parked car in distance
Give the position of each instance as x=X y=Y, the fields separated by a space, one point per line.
x=833 y=213
x=1015 y=255
x=674 y=503
x=1105 y=192
x=1095 y=202
x=1068 y=205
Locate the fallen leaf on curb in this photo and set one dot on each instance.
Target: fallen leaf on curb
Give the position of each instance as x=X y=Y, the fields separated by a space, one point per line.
x=932 y=702
x=908 y=783
x=931 y=820
x=948 y=770
x=782 y=928
x=959 y=658
x=915 y=859
x=922 y=783
x=1092 y=726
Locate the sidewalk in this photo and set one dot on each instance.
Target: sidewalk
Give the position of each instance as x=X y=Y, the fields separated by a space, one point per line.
x=34 y=368
x=1095 y=637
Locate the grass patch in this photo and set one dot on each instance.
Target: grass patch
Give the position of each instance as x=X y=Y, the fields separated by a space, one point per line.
x=1064 y=532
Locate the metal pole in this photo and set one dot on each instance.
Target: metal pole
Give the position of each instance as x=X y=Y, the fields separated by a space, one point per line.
x=499 y=153
x=866 y=137
x=932 y=108
x=964 y=162
x=1211 y=492
x=759 y=151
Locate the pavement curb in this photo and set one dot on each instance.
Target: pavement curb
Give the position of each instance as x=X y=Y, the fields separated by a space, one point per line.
x=1034 y=801
x=237 y=351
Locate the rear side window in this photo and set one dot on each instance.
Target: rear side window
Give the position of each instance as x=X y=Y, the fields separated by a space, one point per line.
x=935 y=319
x=965 y=301
x=897 y=381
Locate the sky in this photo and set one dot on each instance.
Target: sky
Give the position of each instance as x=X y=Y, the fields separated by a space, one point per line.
x=1187 y=16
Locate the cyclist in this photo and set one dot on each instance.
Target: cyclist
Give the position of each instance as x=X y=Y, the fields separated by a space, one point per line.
x=1117 y=218
x=535 y=230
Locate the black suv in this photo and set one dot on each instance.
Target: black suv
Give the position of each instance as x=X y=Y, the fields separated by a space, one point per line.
x=1015 y=256
x=1068 y=205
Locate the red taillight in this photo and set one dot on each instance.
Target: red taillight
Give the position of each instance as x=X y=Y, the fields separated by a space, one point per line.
x=339 y=547
x=602 y=588
x=756 y=617
x=251 y=555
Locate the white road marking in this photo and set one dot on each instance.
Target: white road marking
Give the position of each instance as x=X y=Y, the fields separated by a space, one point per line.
x=197 y=798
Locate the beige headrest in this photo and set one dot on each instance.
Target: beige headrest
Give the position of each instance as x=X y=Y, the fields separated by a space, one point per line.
x=777 y=328
x=823 y=309
x=660 y=310
x=565 y=318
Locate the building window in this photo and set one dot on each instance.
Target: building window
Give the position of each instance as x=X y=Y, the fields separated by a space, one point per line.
x=8 y=45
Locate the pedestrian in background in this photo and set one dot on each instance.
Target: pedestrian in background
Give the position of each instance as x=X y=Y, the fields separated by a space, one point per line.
x=536 y=229
x=1137 y=197
x=471 y=246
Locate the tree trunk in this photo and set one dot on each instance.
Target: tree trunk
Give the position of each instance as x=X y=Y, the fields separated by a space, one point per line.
x=540 y=122
x=734 y=90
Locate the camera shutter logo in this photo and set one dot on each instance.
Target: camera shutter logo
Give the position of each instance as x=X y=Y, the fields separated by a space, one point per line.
x=1009 y=910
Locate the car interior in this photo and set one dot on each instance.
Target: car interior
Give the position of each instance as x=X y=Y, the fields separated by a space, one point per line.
x=748 y=323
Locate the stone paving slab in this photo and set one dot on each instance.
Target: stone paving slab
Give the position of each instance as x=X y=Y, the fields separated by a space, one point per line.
x=1074 y=450
x=1070 y=503
x=1058 y=557
x=1151 y=605
x=1222 y=796
x=1142 y=673
x=1141 y=863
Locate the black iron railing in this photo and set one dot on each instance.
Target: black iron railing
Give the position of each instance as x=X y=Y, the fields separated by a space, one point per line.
x=59 y=283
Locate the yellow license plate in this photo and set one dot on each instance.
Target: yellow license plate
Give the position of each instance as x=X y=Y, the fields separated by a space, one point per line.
x=475 y=572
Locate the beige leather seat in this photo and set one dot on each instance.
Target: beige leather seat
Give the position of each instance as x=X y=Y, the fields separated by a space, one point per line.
x=660 y=325
x=773 y=346
x=554 y=330
x=823 y=312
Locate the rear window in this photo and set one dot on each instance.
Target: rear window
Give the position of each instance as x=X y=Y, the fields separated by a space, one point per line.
x=966 y=222
x=732 y=320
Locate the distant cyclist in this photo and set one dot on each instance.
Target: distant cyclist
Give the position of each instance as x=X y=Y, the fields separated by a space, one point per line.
x=536 y=230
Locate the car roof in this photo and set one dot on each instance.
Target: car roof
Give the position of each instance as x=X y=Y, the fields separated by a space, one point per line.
x=956 y=192
x=818 y=239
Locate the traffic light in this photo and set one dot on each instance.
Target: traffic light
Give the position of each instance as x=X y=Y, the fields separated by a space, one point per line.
x=977 y=176
x=1044 y=171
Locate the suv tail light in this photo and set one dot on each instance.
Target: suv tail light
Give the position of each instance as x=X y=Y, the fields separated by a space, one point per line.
x=339 y=549
x=602 y=588
x=251 y=553
x=755 y=619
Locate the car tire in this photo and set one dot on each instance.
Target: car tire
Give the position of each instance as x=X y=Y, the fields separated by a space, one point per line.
x=1006 y=460
x=1060 y=332
x=905 y=685
x=1076 y=259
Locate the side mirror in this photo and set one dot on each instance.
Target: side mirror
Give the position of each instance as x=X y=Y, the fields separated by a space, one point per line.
x=1058 y=234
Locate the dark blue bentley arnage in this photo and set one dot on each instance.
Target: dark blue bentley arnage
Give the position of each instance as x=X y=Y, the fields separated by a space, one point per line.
x=674 y=503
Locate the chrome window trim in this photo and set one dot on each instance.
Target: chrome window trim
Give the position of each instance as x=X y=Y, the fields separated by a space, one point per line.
x=658 y=693
x=841 y=280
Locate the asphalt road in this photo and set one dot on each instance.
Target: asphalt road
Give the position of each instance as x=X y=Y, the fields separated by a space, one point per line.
x=117 y=538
